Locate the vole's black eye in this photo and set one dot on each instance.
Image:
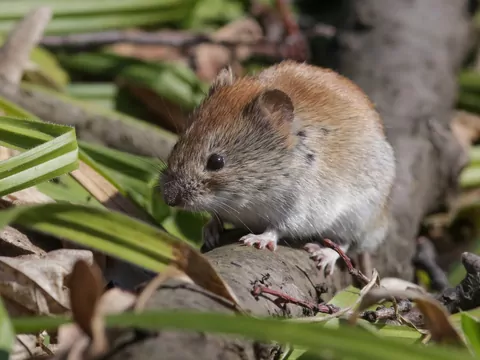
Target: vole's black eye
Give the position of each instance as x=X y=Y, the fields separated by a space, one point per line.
x=215 y=162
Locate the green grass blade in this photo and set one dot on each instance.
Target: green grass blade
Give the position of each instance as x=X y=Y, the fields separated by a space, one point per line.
x=33 y=128
x=6 y=333
x=17 y=9
x=110 y=232
x=471 y=329
x=345 y=342
x=53 y=151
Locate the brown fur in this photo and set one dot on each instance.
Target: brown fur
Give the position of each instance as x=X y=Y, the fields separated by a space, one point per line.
x=305 y=153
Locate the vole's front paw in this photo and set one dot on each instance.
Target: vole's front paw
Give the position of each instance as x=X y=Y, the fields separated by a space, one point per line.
x=325 y=257
x=262 y=241
x=211 y=234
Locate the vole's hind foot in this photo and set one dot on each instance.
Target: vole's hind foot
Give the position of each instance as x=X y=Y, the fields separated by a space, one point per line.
x=261 y=241
x=326 y=258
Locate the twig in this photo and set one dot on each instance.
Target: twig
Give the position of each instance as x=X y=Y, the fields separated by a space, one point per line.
x=351 y=269
x=183 y=39
x=322 y=308
x=97 y=39
x=386 y=313
x=15 y=52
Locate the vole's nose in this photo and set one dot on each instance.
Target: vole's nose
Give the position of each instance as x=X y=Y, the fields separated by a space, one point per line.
x=172 y=194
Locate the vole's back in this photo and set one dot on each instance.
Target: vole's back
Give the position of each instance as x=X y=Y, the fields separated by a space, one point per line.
x=349 y=166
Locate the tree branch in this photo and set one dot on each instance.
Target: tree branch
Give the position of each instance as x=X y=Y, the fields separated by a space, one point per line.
x=15 y=52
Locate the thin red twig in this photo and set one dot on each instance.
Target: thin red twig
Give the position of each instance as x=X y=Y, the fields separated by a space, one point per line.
x=322 y=308
x=351 y=269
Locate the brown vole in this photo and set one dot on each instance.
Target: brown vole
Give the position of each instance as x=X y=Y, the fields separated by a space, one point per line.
x=296 y=152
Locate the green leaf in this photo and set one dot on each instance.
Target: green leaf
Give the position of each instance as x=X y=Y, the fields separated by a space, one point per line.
x=471 y=329
x=7 y=335
x=137 y=175
x=345 y=297
x=92 y=15
x=107 y=231
x=345 y=341
x=53 y=151
x=172 y=81
x=186 y=225
x=66 y=189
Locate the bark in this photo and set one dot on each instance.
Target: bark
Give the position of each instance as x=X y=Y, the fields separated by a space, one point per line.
x=405 y=55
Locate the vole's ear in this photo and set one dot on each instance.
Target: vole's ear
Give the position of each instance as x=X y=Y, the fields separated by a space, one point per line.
x=224 y=78
x=274 y=104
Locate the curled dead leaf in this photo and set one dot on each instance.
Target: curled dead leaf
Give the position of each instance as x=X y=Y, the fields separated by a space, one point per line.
x=86 y=338
x=201 y=271
x=33 y=284
x=86 y=287
x=396 y=284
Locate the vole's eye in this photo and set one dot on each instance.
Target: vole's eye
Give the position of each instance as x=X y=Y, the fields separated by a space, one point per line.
x=215 y=162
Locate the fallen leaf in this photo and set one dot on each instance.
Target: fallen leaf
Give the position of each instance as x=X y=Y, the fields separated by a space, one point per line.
x=15 y=243
x=35 y=284
x=200 y=270
x=86 y=287
x=396 y=284
x=75 y=343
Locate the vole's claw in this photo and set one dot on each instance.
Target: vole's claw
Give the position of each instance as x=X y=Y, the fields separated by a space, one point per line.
x=261 y=241
x=326 y=258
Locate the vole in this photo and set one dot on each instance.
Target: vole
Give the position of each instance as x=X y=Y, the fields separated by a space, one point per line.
x=297 y=152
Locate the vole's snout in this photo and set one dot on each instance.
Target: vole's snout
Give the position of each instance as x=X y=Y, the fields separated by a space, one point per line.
x=172 y=194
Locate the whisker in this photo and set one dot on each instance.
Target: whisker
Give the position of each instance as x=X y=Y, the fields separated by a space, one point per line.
x=228 y=212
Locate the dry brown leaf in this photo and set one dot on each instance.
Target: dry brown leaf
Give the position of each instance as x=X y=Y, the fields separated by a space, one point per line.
x=14 y=243
x=86 y=287
x=33 y=284
x=396 y=284
x=75 y=344
x=211 y=58
x=24 y=347
x=436 y=317
x=148 y=52
x=201 y=271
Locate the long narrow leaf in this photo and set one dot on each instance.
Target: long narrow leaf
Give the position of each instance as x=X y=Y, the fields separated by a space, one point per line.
x=52 y=151
x=32 y=133
x=471 y=329
x=6 y=333
x=110 y=232
x=344 y=342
